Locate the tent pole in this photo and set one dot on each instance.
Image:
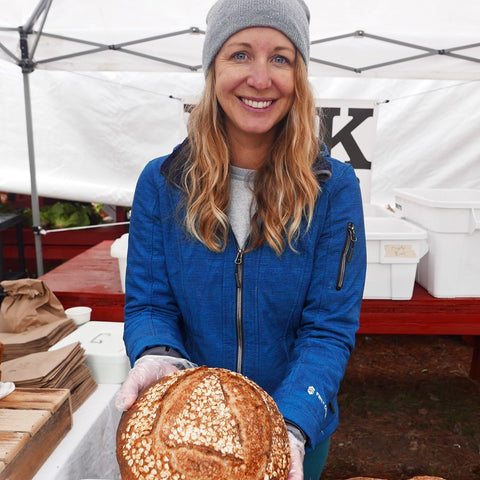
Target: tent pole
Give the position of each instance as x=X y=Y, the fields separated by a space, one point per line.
x=36 y=13
x=33 y=177
x=28 y=67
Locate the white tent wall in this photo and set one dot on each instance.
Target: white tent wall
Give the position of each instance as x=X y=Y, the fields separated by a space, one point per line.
x=93 y=131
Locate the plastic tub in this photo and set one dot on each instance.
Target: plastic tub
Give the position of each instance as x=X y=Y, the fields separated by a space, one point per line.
x=79 y=315
x=394 y=248
x=451 y=218
x=104 y=349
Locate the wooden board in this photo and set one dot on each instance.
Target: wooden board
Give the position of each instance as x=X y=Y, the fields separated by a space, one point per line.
x=33 y=421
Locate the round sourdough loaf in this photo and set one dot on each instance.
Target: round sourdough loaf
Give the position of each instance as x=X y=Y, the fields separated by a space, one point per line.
x=203 y=424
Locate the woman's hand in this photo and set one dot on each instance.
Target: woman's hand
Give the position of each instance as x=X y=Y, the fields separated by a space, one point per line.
x=297 y=454
x=147 y=370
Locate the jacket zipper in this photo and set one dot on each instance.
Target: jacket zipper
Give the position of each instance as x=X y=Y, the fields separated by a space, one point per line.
x=347 y=253
x=239 y=309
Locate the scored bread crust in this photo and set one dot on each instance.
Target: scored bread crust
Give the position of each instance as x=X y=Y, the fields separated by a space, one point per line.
x=203 y=424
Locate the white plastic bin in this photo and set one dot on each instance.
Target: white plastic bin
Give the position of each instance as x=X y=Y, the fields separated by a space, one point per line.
x=119 y=249
x=451 y=218
x=104 y=349
x=394 y=248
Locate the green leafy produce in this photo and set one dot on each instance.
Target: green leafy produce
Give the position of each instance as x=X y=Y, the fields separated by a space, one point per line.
x=61 y=214
x=67 y=215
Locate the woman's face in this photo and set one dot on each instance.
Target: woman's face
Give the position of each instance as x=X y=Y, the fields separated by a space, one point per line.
x=254 y=81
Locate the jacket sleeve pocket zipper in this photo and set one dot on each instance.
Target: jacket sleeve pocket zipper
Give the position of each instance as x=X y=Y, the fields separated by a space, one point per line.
x=347 y=253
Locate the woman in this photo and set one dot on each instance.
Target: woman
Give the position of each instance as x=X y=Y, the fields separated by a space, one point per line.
x=247 y=248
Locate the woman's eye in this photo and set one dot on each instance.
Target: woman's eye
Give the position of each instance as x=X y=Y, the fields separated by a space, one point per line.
x=280 y=59
x=239 y=56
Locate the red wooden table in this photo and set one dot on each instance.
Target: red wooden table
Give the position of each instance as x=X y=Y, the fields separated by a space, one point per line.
x=92 y=278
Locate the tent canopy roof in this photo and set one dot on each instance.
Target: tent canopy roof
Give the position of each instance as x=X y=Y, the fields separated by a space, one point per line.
x=348 y=38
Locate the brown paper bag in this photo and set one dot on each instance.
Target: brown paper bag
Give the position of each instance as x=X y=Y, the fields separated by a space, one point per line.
x=29 y=304
x=43 y=369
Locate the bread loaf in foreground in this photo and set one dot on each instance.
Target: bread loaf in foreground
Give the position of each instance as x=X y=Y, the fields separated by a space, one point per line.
x=203 y=424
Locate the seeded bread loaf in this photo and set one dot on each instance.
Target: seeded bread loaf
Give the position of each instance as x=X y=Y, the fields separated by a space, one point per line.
x=203 y=424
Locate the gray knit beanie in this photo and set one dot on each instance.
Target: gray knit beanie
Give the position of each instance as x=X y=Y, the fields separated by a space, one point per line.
x=226 y=17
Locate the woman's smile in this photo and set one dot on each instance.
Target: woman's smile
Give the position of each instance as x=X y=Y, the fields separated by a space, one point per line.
x=256 y=104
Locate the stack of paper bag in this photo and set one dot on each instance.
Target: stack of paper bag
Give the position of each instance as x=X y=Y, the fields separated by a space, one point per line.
x=36 y=339
x=62 y=368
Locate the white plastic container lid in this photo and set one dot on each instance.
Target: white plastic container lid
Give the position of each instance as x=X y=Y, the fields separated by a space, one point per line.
x=385 y=228
x=442 y=197
x=375 y=210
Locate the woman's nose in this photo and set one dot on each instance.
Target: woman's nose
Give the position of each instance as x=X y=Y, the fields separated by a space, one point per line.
x=259 y=76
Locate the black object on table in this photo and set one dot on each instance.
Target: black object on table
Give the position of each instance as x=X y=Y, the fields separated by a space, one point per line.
x=10 y=220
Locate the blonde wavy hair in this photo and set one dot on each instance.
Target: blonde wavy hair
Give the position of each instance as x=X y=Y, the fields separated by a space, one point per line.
x=285 y=187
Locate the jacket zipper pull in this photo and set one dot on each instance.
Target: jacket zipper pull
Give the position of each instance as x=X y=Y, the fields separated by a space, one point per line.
x=353 y=238
x=238 y=262
x=347 y=253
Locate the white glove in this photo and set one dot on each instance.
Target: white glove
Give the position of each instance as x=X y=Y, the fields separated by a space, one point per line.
x=297 y=453
x=145 y=371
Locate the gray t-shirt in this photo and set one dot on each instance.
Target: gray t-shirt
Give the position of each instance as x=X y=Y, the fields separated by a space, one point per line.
x=239 y=209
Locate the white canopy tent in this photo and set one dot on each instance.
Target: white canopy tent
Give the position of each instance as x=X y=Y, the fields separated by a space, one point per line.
x=104 y=84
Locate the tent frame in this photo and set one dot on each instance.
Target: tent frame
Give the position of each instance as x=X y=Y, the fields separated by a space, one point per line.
x=362 y=34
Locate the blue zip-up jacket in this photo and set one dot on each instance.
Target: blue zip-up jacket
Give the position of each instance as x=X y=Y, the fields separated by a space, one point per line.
x=287 y=322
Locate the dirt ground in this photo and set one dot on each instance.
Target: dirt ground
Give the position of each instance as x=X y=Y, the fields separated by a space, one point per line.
x=407 y=407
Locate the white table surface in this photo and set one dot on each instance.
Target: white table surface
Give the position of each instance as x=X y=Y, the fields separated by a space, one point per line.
x=88 y=449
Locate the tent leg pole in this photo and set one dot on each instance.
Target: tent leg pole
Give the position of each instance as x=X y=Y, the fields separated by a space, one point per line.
x=33 y=177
